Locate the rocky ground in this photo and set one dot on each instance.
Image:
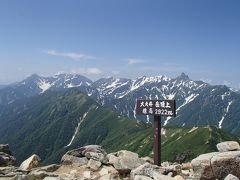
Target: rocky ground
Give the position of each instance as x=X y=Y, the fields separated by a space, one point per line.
x=93 y=163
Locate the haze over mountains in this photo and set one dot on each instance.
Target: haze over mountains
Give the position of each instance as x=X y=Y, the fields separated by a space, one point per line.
x=198 y=103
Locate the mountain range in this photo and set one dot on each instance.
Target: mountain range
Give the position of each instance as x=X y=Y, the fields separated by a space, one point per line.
x=51 y=123
x=198 y=103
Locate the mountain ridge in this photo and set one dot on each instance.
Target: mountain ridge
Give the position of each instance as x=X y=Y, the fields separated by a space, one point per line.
x=198 y=103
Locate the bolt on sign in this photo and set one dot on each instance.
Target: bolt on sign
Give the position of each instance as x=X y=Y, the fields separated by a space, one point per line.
x=156 y=107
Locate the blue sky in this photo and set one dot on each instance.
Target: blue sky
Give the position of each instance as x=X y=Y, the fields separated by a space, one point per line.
x=122 y=38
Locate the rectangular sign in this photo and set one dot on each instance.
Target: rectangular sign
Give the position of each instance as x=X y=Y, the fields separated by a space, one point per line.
x=156 y=107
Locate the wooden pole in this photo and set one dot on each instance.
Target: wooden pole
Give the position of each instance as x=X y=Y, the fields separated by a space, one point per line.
x=157 y=140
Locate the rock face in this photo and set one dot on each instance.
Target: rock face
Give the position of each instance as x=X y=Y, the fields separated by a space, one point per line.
x=218 y=165
x=231 y=177
x=228 y=146
x=125 y=161
x=6 y=160
x=30 y=163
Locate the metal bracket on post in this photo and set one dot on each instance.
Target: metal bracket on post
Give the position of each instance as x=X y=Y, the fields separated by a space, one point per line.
x=157 y=140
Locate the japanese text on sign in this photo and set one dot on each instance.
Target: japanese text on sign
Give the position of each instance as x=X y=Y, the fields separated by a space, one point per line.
x=156 y=107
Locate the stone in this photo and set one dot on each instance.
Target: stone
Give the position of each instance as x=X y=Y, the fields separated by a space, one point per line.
x=202 y=166
x=141 y=177
x=185 y=172
x=6 y=160
x=125 y=161
x=174 y=168
x=226 y=163
x=146 y=169
x=103 y=172
x=97 y=156
x=231 y=177
x=178 y=177
x=80 y=152
x=186 y=166
x=69 y=159
x=5 y=148
x=30 y=163
x=87 y=174
x=228 y=146
x=94 y=165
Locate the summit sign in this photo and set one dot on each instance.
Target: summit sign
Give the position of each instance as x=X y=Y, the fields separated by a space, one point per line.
x=156 y=107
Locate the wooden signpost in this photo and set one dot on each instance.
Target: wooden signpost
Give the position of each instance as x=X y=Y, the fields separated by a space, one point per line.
x=157 y=108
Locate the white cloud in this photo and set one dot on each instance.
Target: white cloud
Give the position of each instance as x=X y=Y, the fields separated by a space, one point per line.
x=93 y=71
x=133 y=61
x=209 y=81
x=115 y=72
x=87 y=71
x=226 y=83
x=71 y=55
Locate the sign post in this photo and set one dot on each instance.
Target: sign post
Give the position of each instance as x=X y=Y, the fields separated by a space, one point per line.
x=157 y=108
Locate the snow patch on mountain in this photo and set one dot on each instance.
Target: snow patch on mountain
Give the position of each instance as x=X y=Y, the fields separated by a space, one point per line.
x=188 y=100
x=77 y=129
x=44 y=85
x=224 y=115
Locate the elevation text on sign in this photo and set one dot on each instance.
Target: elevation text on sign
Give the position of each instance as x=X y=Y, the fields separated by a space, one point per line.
x=156 y=107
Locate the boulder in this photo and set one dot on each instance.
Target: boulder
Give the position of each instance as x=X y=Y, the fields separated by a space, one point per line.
x=79 y=161
x=124 y=161
x=202 y=166
x=5 y=148
x=78 y=156
x=94 y=165
x=97 y=156
x=231 y=177
x=228 y=146
x=226 y=163
x=147 y=169
x=80 y=152
x=6 y=160
x=30 y=163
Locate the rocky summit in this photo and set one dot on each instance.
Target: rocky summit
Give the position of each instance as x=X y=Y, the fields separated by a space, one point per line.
x=93 y=163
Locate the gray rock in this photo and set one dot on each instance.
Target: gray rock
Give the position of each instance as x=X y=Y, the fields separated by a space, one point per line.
x=226 y=163
x=94 y=165
x=231 y=177
x=97 y=156
x=228 y=146
x=202 y=166
x=80 y=152
x=141 y=177
x=6 y=160
x=69 y=159
x=30 y=163
x=178 y=177
x=125 y=161
x=5 y=148
x=147 y=169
